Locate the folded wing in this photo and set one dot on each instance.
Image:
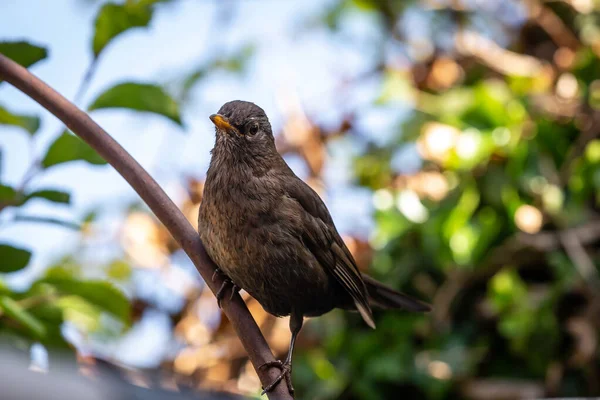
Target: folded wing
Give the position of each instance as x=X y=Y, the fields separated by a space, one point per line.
x=323 y=240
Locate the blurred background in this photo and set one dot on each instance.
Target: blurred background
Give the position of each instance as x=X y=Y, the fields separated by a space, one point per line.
x=454 y=141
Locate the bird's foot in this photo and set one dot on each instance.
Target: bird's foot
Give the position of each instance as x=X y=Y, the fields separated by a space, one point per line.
x=286 y=373
x=221 y=292
x=217 y=272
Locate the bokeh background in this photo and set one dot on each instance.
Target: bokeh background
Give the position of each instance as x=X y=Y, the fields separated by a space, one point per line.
x=456 y=143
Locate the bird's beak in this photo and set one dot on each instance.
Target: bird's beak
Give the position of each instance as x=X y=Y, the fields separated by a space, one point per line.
x=222 y=123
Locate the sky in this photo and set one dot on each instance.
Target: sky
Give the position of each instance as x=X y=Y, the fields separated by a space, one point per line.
x=180 y=36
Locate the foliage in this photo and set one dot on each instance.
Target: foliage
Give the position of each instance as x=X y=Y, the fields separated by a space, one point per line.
x=498 y=226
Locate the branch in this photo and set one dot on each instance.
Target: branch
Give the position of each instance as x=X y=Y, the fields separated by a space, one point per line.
x=158 y=201
x=488 y=52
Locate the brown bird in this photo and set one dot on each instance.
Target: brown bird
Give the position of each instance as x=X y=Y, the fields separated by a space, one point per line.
x=272 y=235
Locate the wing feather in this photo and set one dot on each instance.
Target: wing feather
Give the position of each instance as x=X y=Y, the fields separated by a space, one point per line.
x=327 y=246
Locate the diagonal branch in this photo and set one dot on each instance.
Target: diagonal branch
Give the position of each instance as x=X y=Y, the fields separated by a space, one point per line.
x=158 y=201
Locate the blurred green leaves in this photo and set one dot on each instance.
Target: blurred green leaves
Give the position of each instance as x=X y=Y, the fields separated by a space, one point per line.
x=23 y=52
x=68 y=147
x=139 y=97
x=114 y=19
x=100 y=294
x=7 y=195
x=16 y=312
x=55 y=196
x=30 y=123
x=119 y=270
x=39 y=313
x=13 y=258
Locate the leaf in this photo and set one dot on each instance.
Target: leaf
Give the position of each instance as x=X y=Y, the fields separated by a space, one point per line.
x=52 y=317
x=13 y=258
x=68 y=147
x=13 y=310
x=119 y=270
x=28 y=122
x=47 y=220
x=8 y=195
x=67 y=267
x=114 y=19
x=23 y=53
x=55 y=196
x=80 y=312
x=140 y=97
x=99 y=293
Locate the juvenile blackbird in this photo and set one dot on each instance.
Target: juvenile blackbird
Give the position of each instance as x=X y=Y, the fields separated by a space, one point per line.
x=272 y=235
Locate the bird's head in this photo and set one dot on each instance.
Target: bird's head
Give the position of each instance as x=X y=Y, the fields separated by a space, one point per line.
x=243 y=124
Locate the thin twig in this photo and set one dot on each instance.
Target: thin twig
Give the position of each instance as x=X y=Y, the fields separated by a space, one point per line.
x=85 y=81
x=580 y=259
x=158 y=201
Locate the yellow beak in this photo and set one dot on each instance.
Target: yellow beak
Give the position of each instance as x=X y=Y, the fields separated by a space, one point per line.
x=222 y=123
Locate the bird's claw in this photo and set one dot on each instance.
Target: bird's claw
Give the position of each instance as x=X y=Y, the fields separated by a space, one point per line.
x=217 y=272
x=221 y=292
x=234 y=289
x=286 y=372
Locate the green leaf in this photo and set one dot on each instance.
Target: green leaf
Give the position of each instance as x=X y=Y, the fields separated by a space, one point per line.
x=8 y=195
x=48 y=312
x=47 y=220
x=13 y=310
x=119 y=270
x=67 y=268
x=13 y=258
x=23 y=53
x=99 y=293
x=55 y=196
x=114 y=19
x=68 y=148
x=80 y=312
x=28 y=122
x=139 y=97
x=52 y=317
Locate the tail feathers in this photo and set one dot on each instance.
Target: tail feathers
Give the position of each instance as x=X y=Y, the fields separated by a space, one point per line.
x=384 y=297
x=366 y=314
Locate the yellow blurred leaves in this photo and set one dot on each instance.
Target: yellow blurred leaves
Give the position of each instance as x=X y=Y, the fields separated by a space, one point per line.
x=143 y=241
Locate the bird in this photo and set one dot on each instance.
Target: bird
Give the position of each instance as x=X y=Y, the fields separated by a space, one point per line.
x=271 y=234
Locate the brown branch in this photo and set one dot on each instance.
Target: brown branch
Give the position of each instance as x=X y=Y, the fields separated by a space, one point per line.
x=547 y=19
x=489 y=53
x=158 y=201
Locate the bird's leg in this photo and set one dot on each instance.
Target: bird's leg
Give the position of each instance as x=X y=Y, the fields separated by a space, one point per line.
x=226 y=282
x=286 y=366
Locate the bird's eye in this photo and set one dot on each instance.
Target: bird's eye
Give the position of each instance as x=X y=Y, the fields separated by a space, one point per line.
x=252 y=128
